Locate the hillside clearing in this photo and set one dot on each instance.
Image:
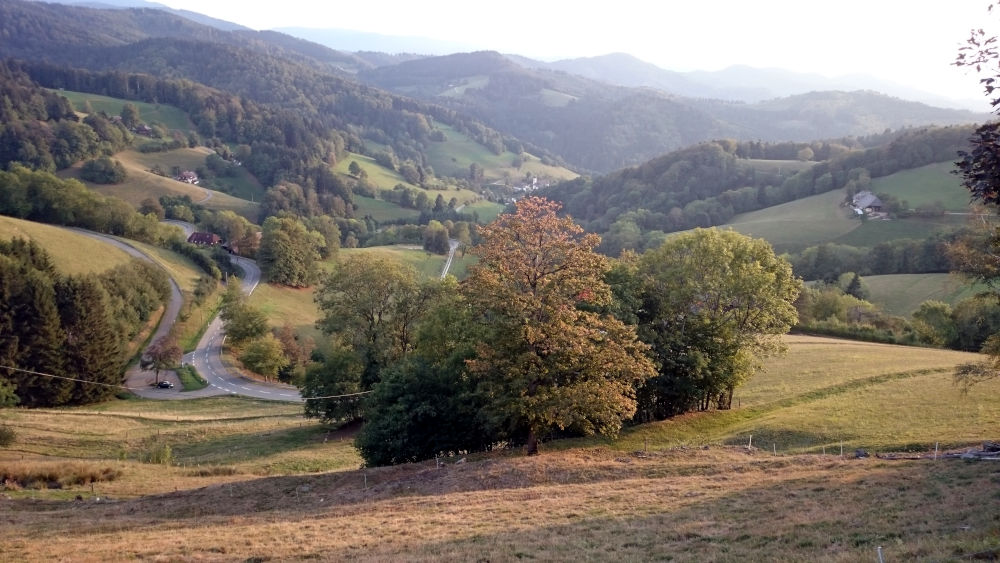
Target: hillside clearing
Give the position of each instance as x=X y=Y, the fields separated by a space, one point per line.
x=926 y=185
x=169 y=116
x=142 y=184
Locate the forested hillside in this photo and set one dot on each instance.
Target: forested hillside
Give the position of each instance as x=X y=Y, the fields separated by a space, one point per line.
x=256 y=68
x=599 y=127
x=708 y=184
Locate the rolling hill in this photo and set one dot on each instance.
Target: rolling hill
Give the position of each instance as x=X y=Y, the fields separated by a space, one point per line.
x=599 y=126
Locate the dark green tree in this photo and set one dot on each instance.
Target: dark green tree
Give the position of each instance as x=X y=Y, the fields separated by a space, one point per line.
x=93 y=349
x=288 y=252
x=243 y=321
x=130 y=115
x=103 y=170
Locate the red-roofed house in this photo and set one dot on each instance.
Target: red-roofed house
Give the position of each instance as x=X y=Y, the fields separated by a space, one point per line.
x=204 y=239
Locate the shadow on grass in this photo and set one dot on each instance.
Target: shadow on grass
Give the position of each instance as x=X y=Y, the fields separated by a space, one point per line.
x=798 y=508
x=249 y=446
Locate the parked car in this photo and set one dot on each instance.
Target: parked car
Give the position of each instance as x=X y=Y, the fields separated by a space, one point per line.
x=165 y=385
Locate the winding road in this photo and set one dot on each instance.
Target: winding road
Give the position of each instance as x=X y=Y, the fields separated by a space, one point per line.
x=207 y=357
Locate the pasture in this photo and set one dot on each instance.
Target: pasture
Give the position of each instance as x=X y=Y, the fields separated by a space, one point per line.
x=71 y=252
x=142 y=184
x=253 y=480
x=169 y=116
x=454 y=156
x=902 y=294
x=793 y=226
x=926 y=185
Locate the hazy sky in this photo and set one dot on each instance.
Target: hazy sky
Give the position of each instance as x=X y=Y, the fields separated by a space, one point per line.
x=911 y=42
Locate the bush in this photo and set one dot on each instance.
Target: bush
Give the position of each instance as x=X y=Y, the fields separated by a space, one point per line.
x=54 y=475
x=103 y=170
x=7 y=436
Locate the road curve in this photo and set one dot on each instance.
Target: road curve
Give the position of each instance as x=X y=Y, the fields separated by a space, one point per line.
x=207 y=358
x=176 y=299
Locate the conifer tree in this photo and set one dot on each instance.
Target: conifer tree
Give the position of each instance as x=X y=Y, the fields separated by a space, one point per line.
x=93 y=349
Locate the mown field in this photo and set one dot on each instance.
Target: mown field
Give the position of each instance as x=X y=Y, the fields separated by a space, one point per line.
x=71 y=252
x=453 y=157
x=798 y=224
x=902 y=294
x=169 y=116
x=926 y=185
x=793 y=226
x=253 y=480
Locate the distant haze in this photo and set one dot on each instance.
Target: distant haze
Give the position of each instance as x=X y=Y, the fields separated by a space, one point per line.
x=909 y=42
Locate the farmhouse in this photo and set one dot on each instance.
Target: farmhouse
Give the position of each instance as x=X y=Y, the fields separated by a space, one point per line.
x=188 y=177
x=865 y=202
x=204 y=239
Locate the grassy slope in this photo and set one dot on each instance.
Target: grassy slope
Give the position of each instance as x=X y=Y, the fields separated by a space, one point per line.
x=924 y=185
x=588 y=500
x=453 y=157
x=142 y=184
x=71 y=252
x=792 y=226
x=797 y=224
x=902 y=294
x=169 y=116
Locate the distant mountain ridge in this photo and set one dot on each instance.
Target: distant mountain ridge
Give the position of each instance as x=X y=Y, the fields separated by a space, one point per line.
x=738 y=82
x=600 y=126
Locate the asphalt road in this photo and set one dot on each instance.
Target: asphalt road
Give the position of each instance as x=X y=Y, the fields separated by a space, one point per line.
x=176 y=299
x=207 y=358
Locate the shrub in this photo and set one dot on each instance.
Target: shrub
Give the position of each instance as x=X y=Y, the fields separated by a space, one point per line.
x=7 y=436
x=43 y=475
x=103 y=170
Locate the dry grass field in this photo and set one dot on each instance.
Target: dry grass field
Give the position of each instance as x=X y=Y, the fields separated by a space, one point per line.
x=250 y=480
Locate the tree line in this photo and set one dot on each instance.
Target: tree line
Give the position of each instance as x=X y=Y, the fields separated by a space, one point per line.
x=75 y=327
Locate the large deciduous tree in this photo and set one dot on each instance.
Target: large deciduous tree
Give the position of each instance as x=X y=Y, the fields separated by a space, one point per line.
x=713 y=303
x=545 y=363
x=244 y=322
x=288 y=252
x=372 y=305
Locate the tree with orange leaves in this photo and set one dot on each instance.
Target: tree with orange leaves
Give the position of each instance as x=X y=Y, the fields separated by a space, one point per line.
x=543 y=363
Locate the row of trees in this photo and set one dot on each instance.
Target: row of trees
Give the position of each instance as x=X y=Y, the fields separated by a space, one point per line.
x=545 y=338
x=55 y=329
x=44 y=197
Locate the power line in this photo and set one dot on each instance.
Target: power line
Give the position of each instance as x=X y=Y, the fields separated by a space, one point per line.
x=67 y=378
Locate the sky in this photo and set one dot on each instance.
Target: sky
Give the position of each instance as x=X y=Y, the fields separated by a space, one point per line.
x=911 y=42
